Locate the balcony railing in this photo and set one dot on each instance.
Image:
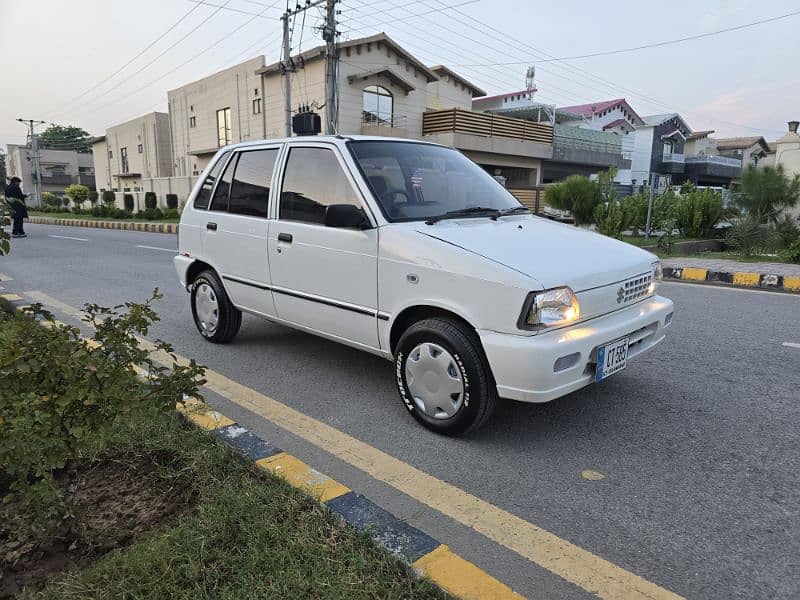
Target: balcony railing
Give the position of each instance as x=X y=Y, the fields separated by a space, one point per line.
x=57 y=179
x=459 y=120
x=673 y=158
x=369 y=119
x=717 y=160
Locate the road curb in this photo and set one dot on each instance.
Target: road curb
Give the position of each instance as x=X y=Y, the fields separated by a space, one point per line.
x=121 y=225
x=425 y=555
x=740 y=279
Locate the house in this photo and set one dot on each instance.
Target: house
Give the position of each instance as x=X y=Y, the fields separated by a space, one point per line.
x=451 y=90
x=132 y=152
x=787 y=154
x=750 y=150
x=59 y=169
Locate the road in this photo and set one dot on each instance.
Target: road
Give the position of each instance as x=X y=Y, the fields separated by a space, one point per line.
x=696 y=442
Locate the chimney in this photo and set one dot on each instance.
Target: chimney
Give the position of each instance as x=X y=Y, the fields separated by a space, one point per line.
x=793 y=126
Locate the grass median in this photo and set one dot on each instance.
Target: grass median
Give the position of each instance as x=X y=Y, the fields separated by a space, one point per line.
x=69 y=215
x=145 y=505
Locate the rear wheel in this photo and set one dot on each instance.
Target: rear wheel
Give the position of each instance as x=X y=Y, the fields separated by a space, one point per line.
x=443 y=377
x=216 y=318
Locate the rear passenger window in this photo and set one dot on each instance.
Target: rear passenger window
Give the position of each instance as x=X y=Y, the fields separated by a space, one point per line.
x=250 y=186
x=204 y=195
x=220 y=199
x=313 y=181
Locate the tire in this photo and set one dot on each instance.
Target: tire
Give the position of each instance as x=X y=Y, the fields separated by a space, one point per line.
x=228 y=319
x=442 y=354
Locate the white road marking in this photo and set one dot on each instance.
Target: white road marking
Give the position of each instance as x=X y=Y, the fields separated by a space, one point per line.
x=66 y=237
x=791 y=345
x=173 y=250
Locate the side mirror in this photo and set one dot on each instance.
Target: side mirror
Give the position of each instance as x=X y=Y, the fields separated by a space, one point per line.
x=346 y=216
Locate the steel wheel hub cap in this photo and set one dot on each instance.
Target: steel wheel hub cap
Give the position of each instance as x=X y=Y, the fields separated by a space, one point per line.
x=434 y=381
x=207 y=307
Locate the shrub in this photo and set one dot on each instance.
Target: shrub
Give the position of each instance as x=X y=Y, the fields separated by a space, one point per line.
x=78 y=193
x=118 y=213
x=767 y=191
x=109 y=197
x=748 y=236
x=50 y=199
x=577 y=194
x=792 y=252
x=697 y=212
x=65 y=202
x=101 y=211
x=635 y=211
x=172 y=201
x=171 y=213
x=787 y=231
x=128 y=201
x=93 y=197
x=150 y=200
x=610 y=218
x=151 y=214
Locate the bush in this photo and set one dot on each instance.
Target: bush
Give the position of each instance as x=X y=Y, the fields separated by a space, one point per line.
x=697 y=212
x=109 y=197
x=151 y=214
x=635 y=211
x=172 y=201
x=792 y=252
x=787 y=231
x=93 y=197
x=767 y=191
x=171 y=213
x=748 y=236
x=78 y=193
x=118 y=213
x=65 y=202
x=150 y=200
x=128 y=201
x=577 y=194
x=50 y=199
x=610 y=218
x=101 y=211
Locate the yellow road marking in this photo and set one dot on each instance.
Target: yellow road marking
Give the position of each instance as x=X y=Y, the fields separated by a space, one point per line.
x=301 y=475
x=559 y=556
x=460 y=577
x=202 y=415
x=749 y=279
x=693 y=274
x=791 y=283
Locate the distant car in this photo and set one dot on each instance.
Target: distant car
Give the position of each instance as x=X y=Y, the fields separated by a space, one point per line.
x=411 y=251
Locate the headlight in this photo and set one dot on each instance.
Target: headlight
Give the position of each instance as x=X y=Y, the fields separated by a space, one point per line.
x=658 y=275
x=551 y=308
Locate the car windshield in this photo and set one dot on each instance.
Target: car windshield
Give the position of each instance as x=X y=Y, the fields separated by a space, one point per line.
x=420 y=182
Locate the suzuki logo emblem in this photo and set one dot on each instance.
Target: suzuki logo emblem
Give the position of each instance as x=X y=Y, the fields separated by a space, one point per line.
x=620 y=295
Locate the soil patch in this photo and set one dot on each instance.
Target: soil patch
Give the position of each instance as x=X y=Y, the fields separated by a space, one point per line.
x=113 y=500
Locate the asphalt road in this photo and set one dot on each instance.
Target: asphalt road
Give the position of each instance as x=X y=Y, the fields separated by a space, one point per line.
x=697 y=440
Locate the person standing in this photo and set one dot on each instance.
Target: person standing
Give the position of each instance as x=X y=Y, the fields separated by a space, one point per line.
x=16 y=200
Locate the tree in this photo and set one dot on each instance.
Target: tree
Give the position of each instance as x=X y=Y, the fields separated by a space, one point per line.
x=3 y=173
x=65 y=137
x=766 y=192
x=78 y=193
x=577 y=194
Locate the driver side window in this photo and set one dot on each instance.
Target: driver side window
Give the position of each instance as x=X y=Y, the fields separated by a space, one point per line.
x=312 y=181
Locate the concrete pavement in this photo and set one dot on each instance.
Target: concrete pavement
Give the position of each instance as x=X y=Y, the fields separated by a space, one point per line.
x=696 y=441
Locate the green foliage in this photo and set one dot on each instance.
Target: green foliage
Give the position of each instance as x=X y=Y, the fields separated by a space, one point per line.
x=698 y=211
x=78 y=193
x=109 y=197
x=792 y=252
x=171 y=213
x=58 y=392
x=748 y=236
x=577 y=194
x=118 y=213
x=150 y=200
x=667 y=239
x=50 y=199
x=172 y=201
x=635 y=210
x=767 y=191
x=610 y=219
x=5 y=237
x=787 y=231
x=60 y=137
x=65 y=202
x=3 y=172
x=151 y=214
x=93 y=197
x=128 y=201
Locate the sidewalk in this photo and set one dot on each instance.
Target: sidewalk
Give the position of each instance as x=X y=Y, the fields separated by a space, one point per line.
x=775 y=276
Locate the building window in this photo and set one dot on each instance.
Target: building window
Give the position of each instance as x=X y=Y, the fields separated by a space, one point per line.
x=224 y=127
x=378 y=105
x=139 y=148
x=257 y=106
x=192 y=121
x=123 y=155
x=110 y=154
x=667 y=149
x=255 y=92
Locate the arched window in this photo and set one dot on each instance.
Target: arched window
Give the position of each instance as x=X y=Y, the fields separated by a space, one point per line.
x=378 y=105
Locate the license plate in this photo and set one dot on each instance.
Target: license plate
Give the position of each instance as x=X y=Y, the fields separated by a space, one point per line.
x=611 y=358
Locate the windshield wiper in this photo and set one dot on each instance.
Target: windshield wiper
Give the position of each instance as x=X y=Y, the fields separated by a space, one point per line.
x=514 y=210
x=461 y=212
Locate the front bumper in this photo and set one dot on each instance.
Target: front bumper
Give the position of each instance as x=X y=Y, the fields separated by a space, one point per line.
x=524 y=367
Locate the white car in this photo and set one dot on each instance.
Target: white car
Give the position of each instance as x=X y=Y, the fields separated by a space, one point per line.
x=411 y=251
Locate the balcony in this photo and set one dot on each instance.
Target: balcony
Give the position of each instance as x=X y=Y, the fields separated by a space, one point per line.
x=86 y=179
x=56 y=179
x=588 y=147
x=671 y=163
x=713 y=169
x=394 y=126
x=488 y=133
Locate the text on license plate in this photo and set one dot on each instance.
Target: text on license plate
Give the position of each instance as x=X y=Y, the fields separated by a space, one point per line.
x=611 y=358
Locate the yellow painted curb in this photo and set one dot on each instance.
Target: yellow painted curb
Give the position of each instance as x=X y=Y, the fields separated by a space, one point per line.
x=203 y=416
x=460 y=577
x=750 y=279
x=692 y=274
x=791 y=284
x=11 y=297
x=302 y=476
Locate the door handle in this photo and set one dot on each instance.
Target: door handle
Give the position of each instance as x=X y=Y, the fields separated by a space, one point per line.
x=285 y=237
x=211 y=226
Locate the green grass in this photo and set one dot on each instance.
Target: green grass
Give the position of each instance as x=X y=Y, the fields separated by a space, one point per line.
x=69 y=215
x=640 y=240
x=727 y=256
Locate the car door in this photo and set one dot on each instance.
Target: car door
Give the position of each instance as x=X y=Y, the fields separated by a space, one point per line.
x=235 y=234
x=323 y=278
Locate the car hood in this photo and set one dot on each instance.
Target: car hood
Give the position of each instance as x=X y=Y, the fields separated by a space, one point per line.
x=554 y=254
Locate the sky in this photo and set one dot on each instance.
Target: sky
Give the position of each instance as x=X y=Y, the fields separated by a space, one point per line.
x=62 y=58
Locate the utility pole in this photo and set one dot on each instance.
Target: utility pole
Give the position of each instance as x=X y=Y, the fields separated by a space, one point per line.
x=653 y=183
x=329 y=34
x=35 y=158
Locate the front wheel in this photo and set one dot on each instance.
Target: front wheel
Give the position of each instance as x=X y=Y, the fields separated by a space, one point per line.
x=443 y=377
x=216 y=318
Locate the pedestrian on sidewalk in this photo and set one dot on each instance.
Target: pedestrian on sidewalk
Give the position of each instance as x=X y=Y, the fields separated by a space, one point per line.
x=16 y=200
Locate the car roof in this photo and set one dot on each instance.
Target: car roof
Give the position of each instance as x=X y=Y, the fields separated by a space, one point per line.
x=337 y=139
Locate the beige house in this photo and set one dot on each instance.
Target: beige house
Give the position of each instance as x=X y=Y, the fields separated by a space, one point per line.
x=751 y=149
x=59 y=169
x=220 y=109
x=132 y=152
x=787 y=154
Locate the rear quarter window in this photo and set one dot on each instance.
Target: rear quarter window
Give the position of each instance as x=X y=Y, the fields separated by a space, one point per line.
x=204 y=195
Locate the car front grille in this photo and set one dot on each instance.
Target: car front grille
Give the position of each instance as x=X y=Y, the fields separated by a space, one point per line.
x=634 y=289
